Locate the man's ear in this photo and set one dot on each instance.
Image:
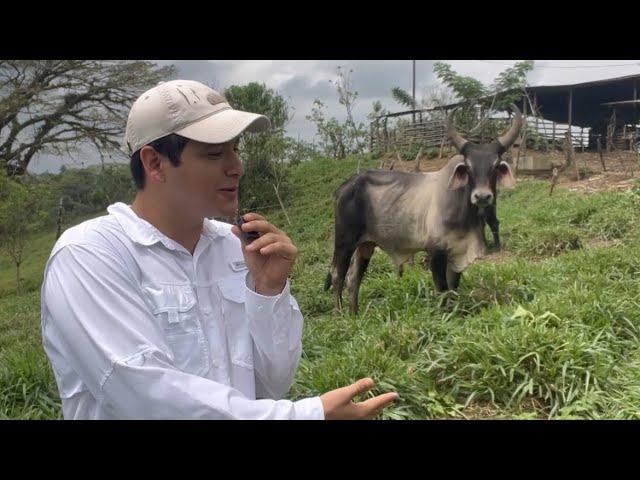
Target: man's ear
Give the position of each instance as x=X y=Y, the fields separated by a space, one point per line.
x=152 y=164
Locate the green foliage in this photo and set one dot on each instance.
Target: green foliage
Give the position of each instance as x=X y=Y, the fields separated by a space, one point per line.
x=513 y=78
x=465 y=88
x=340 y=139
x=21 y=215
x=403 y=97
x=478 y=98
x=263 y=154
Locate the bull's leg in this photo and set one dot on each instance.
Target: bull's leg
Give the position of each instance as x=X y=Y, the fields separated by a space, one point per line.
x=453 y=278
x=438 y=266
x=341 y=260
x=494 y=224
x=359 y=264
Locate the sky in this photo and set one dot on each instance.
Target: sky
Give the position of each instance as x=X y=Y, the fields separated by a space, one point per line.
x=300 y=82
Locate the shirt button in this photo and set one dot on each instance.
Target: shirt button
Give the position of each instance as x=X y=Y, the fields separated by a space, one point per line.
x=260 y=308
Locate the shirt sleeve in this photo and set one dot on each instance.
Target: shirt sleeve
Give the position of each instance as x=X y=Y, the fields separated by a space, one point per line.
x=110 y=338
x=275 y=323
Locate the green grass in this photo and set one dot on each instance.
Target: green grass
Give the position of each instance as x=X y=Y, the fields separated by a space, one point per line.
x=36 y=252
x=551 y=330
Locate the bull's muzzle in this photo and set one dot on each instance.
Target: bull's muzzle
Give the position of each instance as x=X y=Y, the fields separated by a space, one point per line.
x=482 y=199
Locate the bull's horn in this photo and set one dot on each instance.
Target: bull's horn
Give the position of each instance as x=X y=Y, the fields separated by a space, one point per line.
x=508 y=138
x=453 y=134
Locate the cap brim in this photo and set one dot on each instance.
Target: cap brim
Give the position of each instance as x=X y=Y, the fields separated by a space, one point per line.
x=224 y=126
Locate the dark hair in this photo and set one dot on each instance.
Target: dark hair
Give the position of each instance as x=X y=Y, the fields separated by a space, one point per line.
x=170 y=146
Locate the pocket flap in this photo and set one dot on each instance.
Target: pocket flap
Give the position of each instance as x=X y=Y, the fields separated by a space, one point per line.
x=233 y=288
x=170 y=298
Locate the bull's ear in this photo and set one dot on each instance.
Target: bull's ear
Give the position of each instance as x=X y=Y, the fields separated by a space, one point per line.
x=505 y=177
x=459 y=177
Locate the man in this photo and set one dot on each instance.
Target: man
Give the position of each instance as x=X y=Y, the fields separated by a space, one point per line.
x=154 y=311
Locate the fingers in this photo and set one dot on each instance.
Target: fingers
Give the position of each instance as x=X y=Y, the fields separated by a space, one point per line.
x=260 y=226
x=267 y=239
x=359 y=387
x=338 y=404
x=372 y=407
x=248 y=217
x=272 y=243
x=284 y=249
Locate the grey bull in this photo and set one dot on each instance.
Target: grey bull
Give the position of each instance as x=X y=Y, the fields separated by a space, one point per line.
x=441 y=213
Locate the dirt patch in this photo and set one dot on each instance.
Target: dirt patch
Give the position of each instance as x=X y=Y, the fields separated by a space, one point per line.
x=497 y=257
x=479 y=411
x=529 y=408
x=598 y=242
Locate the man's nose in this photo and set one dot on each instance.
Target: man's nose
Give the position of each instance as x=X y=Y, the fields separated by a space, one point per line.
x=235 y=166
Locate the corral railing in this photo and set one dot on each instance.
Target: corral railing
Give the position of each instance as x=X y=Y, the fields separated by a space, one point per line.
x=398 y=130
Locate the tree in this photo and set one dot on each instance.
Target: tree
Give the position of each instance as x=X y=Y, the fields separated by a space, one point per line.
x=403 y=97
x=263 y=154
x=20 y=216
x=506 y=88
x=339 y=139
x=331 y=132
x=54 y=106
x=509 y=85
x=376 y=111
x=437 y=96
x=347 y=97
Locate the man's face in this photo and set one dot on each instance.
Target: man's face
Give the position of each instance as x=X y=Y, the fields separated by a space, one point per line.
x=206 y=181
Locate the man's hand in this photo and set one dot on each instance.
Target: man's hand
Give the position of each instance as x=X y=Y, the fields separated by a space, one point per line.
x=338 y=403
x=270 y=257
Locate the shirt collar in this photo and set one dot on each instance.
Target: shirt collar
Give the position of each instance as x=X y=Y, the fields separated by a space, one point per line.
x=144 y=233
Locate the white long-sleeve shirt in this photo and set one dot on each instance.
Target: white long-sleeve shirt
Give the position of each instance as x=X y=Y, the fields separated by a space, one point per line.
x=135 y=327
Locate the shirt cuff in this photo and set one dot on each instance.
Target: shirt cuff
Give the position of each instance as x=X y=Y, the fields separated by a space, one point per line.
x=267 y=303
x=309 y=409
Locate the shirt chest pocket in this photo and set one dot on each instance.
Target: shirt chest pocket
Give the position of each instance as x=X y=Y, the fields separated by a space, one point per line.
x=174 y=307
x=233 y=292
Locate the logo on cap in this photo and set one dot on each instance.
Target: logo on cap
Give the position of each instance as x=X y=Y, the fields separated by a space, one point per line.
x=214 y=98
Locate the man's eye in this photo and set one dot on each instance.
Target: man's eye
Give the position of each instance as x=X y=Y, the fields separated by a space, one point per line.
x=214 y=154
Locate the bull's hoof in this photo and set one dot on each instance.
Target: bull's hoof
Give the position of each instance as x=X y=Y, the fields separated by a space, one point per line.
x=448 y=300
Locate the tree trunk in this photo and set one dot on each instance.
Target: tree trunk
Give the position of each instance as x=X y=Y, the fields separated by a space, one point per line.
x=59 y=219
x=17 y=278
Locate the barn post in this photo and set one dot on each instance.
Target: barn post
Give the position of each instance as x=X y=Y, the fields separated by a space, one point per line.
x=413 y=92
x=570 y=115
x=523 y=138
x=635 y=112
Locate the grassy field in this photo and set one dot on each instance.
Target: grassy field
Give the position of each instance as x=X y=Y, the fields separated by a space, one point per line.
x=548 y=328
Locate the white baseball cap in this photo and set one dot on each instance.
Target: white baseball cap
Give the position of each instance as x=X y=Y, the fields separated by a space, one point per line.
x=190 y=109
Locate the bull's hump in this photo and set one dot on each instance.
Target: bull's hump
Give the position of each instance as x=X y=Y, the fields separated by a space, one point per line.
x=385 y=178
